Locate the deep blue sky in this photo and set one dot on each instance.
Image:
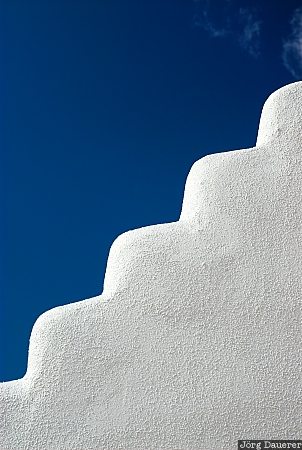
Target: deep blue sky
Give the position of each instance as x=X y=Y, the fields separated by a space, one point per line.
x=105 y=105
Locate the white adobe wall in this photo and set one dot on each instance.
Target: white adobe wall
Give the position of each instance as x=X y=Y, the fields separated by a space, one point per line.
x=196 y=340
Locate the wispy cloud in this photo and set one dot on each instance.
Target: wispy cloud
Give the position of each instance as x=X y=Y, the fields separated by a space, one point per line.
x=292 y=46
x=225 y=19
x=202 y=19
x=249 y=36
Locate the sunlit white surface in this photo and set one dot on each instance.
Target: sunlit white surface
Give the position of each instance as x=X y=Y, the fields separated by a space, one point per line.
x=196 y=340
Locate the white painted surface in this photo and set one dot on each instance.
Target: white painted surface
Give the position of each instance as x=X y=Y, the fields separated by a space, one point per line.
x=196 y=340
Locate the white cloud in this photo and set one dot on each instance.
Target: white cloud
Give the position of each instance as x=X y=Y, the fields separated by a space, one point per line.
x=249 y=37
x=292 y=47
x=225 y=19
x=202 y=19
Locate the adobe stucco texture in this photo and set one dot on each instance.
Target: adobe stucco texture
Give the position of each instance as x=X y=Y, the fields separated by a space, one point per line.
x=196 y=340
